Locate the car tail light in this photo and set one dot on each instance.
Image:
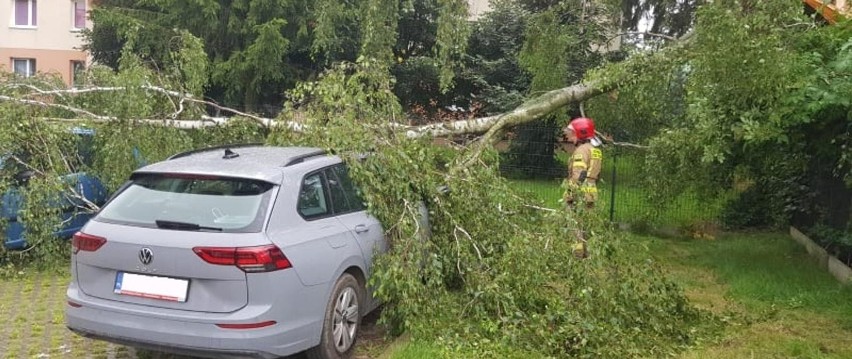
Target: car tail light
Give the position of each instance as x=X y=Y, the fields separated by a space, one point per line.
x=250 y=259
x=86 y=242
x=246 y=325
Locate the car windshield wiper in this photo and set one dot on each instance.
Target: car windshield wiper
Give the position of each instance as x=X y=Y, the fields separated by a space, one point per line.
x=184 y=226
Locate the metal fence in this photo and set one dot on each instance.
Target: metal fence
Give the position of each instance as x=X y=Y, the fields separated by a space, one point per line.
x=624 y=195
x=818 y=195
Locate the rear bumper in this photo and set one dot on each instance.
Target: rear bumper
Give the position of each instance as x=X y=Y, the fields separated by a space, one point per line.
x=105 y=320
x=174 y=348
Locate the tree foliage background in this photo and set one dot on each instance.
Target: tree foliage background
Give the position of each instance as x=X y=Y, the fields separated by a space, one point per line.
x=757 y=105
x=258 y=49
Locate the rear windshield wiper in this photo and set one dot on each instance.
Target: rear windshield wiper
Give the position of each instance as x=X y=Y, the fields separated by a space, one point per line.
x=184 y=226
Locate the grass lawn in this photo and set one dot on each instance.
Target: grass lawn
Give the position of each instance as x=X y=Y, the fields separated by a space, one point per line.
x=780 y=304
x=777 y=303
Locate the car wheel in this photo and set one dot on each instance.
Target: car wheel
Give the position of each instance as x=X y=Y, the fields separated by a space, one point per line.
x=342 y=320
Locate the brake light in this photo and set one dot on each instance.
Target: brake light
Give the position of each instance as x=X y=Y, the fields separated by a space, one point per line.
x=249 y=259
x=86 y=242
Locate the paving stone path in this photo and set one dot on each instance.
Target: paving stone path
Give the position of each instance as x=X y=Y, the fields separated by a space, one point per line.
x=32 y=325
x=33 y=322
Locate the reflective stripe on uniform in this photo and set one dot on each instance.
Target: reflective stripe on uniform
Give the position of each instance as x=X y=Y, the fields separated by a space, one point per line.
x=578 y=160
x=590 y=189
x=596 y=154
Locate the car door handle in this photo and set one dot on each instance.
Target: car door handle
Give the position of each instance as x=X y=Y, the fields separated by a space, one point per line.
x=361 y=228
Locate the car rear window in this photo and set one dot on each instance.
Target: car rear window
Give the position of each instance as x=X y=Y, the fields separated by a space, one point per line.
x=190 y=202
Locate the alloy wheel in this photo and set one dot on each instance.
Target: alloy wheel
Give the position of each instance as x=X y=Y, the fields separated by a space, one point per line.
x=345 y=321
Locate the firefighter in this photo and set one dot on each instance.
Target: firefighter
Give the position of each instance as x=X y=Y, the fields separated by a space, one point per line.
x=584 y=169
x=585 y=163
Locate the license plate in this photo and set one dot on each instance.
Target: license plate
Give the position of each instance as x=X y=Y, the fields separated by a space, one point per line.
x=154 y=287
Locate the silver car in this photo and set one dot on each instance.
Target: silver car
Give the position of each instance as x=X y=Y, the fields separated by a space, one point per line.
x=246 y=251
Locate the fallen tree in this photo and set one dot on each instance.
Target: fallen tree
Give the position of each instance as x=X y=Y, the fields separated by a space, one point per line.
x=47 y=94
x=496 y=277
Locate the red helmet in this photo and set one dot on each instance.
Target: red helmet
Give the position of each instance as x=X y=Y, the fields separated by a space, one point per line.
x=584 y=128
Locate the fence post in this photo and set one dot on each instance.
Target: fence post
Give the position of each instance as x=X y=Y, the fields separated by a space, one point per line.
x=612 y=193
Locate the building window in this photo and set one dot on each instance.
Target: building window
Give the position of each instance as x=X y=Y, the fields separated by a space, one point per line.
x=24 y=67
x=78 y=69
x=26 y=13
x=79 y=15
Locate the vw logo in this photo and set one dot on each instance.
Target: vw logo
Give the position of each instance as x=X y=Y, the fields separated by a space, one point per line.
x=146 y=255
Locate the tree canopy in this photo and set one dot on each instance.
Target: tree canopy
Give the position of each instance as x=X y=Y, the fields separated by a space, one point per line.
x=259 y=49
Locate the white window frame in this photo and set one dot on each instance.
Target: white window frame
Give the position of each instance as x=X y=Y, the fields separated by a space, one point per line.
x=31 y=66
x=31 y=4
x=74 y=14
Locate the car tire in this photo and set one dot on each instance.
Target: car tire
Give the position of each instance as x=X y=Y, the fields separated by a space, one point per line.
x=341 y=322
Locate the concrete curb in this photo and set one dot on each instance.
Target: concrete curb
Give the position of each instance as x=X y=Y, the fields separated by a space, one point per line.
x=815 y=250
x=838 y=269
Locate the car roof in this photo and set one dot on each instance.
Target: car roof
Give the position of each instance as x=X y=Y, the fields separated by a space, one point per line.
x=265 y=163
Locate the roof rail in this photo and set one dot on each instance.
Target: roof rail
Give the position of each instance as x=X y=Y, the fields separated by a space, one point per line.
x=229 y=146
x=301 y=158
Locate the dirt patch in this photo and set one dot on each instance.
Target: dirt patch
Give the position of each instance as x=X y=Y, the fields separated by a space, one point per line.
x=701 y=286
x=372 y=339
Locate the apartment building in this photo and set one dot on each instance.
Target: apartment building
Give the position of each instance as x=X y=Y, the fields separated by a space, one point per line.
x=43 y=37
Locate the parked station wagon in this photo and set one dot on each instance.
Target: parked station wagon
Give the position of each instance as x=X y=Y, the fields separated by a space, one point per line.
x=245 y=251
